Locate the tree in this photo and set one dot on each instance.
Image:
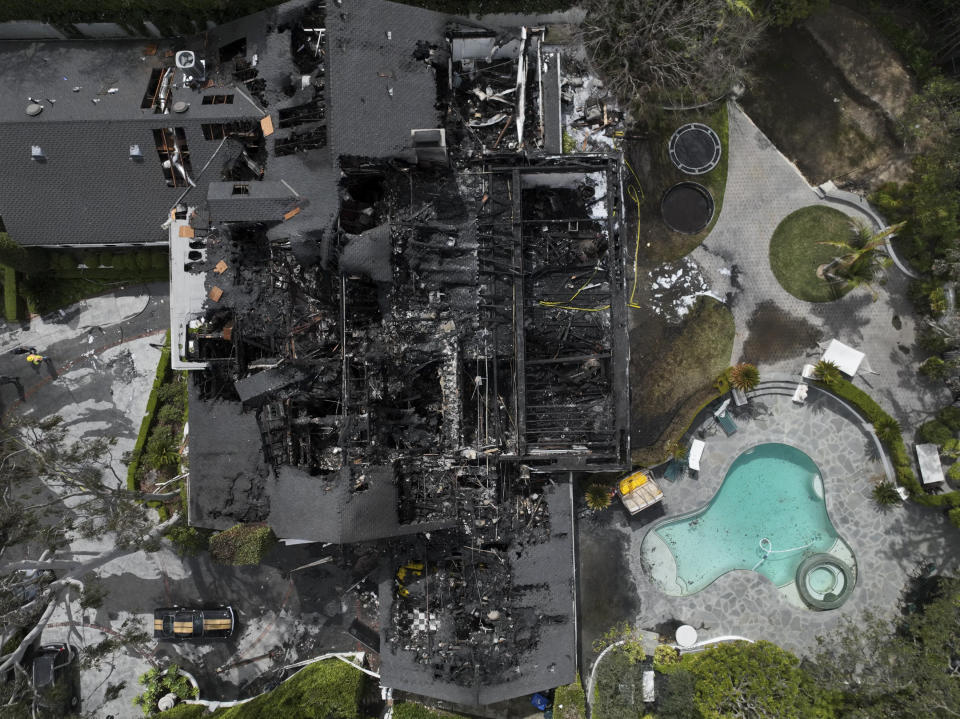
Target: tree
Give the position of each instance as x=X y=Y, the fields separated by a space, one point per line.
x=862 y=260
x=56 y=491
x=744 y=376
x=761 y=680
x=885 y=667
x=690 y=48
x=598 y=497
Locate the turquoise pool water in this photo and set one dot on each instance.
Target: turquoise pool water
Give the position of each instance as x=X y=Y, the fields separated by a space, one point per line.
x=773 y=493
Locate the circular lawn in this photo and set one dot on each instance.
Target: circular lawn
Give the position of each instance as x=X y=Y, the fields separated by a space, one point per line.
x=795 y=252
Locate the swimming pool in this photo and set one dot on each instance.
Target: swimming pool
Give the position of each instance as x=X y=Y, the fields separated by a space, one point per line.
x=769 y=515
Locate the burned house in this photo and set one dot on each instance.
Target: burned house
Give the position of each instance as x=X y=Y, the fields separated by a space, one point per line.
x=402 y=306
x=414 y=330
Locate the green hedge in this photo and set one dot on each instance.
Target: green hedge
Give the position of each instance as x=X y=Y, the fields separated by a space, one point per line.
x=895 y=448
x=10 y=293
x=163 y=372
x=570 y=701
x=242 y=544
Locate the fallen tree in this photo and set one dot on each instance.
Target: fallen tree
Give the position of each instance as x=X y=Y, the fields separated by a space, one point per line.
x=55 y=491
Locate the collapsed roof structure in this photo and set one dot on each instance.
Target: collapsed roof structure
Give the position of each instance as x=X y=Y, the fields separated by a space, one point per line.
x=403 y=308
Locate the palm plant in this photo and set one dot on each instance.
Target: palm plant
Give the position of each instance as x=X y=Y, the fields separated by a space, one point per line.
x=598 y=497
x=885 y=494
x=827 y=372
x=862 y=260
x=887 y=429
x=744 y=376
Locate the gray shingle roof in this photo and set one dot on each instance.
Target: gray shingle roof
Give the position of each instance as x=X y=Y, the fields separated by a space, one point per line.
x=264 y=201
x=88 y=190
x=364 y=65
x=228 y=477
x=306 y=507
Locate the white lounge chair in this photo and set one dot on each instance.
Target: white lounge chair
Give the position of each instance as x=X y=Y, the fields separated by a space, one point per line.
x=696 y=452
x=809 y=372
x=800 y=394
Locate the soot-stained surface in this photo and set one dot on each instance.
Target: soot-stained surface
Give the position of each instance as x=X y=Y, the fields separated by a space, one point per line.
x=607 y=591
x=775 y=334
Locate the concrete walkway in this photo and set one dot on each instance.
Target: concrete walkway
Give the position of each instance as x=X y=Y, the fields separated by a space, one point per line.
x=763 y=187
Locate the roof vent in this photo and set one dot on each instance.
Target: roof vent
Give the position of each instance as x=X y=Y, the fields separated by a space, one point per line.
x=135 y=152
x=181 y=106
x=34 y=109
x=186 y=59
x=36 y=153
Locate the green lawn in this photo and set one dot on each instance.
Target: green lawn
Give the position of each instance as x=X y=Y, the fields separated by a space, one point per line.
x=330 y=689
x=795 y=252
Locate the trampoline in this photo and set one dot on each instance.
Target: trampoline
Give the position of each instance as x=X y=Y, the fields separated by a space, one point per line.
x=687 y=207
x=694 y=148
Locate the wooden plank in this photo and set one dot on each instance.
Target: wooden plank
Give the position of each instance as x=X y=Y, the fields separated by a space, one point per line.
x=266 y=124
x=186 y=231
x=215 y=293
x=288 y=215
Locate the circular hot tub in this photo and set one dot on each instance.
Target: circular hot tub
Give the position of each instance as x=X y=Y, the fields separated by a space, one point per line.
x=687 y=207
x=694 y=148
x=824 y=581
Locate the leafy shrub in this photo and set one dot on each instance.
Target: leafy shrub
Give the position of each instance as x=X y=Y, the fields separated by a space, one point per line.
x=242 y=544
x=142 y=260
x=954 y=472
x=950 y=416
x=189 y=541
x=934 y=432
x=954 y=516
x=929 y=340
x=935 y=368
x=570 y=701
x=162 y=447
x=158 y=260
x=158 y=684
x=9 y=292
x=664 y=657
x=170 y=414
x=938 y=302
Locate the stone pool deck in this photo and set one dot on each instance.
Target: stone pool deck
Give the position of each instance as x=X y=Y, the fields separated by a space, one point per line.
x=889 y=544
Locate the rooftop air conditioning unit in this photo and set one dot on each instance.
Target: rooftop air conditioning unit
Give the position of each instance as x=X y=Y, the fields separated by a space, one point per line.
x=186 y=60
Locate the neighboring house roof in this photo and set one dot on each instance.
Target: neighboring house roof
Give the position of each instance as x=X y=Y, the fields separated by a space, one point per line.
x=88 y=190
